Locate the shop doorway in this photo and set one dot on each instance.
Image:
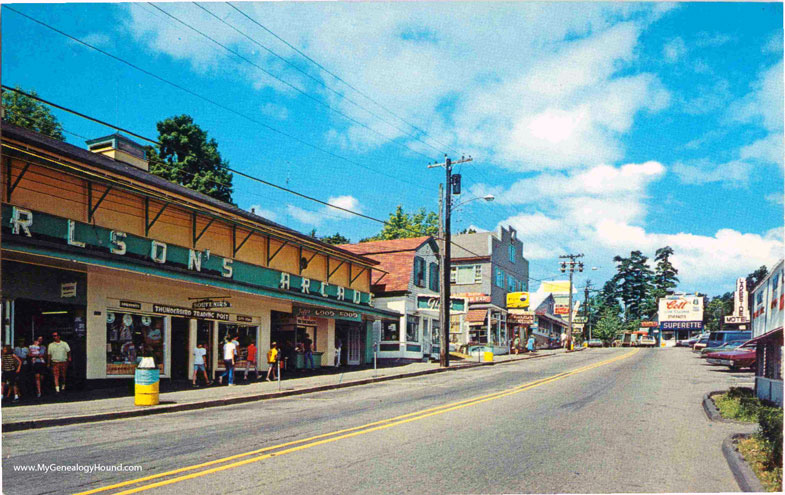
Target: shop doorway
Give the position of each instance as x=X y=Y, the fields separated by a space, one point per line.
x=179 y=349
x=353 y=343
x=41 y=318
x=204 y=335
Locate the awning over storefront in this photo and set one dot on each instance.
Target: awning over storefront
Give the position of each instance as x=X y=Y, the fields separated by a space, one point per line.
x=477 y=316
x=774 y=335
x=552 y=319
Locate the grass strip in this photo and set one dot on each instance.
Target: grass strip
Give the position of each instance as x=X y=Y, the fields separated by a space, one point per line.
x=756 y=452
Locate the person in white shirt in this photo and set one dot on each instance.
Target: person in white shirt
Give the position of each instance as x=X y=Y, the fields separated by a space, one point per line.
x=230 y=354
x=199 y=363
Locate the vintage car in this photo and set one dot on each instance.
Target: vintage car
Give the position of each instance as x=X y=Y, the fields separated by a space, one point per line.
x=741 y=357
x=700 y=344
x=724 y=347
x=594 y=343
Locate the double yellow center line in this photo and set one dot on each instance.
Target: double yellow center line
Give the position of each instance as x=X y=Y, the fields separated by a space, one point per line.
x=225 y=463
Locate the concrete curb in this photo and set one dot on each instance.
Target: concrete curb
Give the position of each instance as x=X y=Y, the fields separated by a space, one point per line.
x=714 y=414
x=745 y=477
x=133 y=413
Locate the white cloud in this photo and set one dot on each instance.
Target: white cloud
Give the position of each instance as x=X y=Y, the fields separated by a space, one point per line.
x=774 y=45
x=764 y=104
x=768 y=149
x=674 y=50
x=732 y=174
x=263 y=212
x=317 y=217
x=775 y=198
x=279 y=112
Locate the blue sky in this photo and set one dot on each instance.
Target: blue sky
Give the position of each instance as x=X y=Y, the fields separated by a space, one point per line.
x=599 y=128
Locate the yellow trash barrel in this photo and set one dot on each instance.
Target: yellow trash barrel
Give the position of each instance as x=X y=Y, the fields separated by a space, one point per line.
x=487 y=356
x=146 y=380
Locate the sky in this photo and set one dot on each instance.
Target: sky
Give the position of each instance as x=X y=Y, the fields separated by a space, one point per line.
x=600 y=128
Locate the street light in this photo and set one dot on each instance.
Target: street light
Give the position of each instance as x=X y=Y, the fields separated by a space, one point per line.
x=487 y=197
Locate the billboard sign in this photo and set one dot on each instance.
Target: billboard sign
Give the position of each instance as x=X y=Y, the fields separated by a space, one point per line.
x=518 y=300
x=681 y=308
x=561 y=309
x=732 y=320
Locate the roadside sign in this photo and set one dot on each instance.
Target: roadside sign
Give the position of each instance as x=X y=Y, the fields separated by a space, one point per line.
x=580 y=319
x=649 y=324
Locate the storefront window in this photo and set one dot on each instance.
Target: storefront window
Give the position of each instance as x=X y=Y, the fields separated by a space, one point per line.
x=435 y=330
x=243 y=333
x=129 y=337
x=412 y=329
x=390 y=331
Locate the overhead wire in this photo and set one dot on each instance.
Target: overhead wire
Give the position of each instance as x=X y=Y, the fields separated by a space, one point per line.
x=211 y=101
x=286 y=83
x=322 y=67
x=314 y=79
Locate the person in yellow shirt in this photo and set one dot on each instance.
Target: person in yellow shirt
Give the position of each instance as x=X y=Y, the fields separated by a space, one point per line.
x=272 y=361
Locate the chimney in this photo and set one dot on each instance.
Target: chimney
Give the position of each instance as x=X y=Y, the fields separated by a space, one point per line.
x=121 y=149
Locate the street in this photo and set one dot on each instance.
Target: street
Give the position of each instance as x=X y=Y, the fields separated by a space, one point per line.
x=598 y=421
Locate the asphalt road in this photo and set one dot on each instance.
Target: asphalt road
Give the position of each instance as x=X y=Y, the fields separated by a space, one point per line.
x=617 y=422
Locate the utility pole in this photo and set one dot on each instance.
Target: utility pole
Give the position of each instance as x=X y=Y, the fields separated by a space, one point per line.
x=451 y=186
x=570 y=265
x=586 y=309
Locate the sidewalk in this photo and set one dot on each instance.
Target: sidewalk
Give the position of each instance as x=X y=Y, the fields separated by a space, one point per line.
x=63 y=413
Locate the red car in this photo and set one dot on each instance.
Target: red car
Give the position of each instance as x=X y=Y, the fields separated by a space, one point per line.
x=741 y=357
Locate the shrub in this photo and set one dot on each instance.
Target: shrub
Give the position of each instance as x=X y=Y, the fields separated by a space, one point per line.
x=739 y=392
x=770 y=424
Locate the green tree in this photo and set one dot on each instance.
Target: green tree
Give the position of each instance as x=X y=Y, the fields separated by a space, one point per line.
x=634 y=279
x=336 y=238
x=665 y=274
x=608 y=328
x=26 y=112
x=716 y=309
x=402 y=225
x=468 y=231
x=188 y=158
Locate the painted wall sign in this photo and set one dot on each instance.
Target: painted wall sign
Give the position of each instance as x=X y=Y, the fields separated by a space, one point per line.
x=522 y=318
x=561 y=309
x=130 y=305
x=189 y=313
x=335 y=314
x=122 y=245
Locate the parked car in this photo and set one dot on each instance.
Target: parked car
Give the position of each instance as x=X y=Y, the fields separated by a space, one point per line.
x=724 y=347
x=594 y=343
x=700 y=344
x=716 y=339
x=645 y=340
x=691 y=341
x=741 y=357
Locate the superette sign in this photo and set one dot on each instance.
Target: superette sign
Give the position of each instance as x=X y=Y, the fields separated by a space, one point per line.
x=681 y=308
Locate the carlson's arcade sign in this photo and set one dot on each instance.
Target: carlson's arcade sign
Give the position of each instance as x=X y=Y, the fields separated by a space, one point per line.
x=99 y=241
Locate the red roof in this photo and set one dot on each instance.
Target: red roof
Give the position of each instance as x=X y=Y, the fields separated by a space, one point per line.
x=392 y=246
x=396 y=257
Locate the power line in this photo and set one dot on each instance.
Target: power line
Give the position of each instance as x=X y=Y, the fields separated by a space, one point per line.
x=337 y=77
x=286 y=83
x=211 y=101
x=315 y=79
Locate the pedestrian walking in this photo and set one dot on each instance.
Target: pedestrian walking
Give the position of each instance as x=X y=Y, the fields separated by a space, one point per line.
x=308 y=352
x=530 y=345
x=11 y=366
x=516 y=344
x=59 y=356
x=338 y=346
x=230 y=354
x=250 y=361
x=272 y=361
x=38 y=358
x=199 y=363
x=23 y=353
